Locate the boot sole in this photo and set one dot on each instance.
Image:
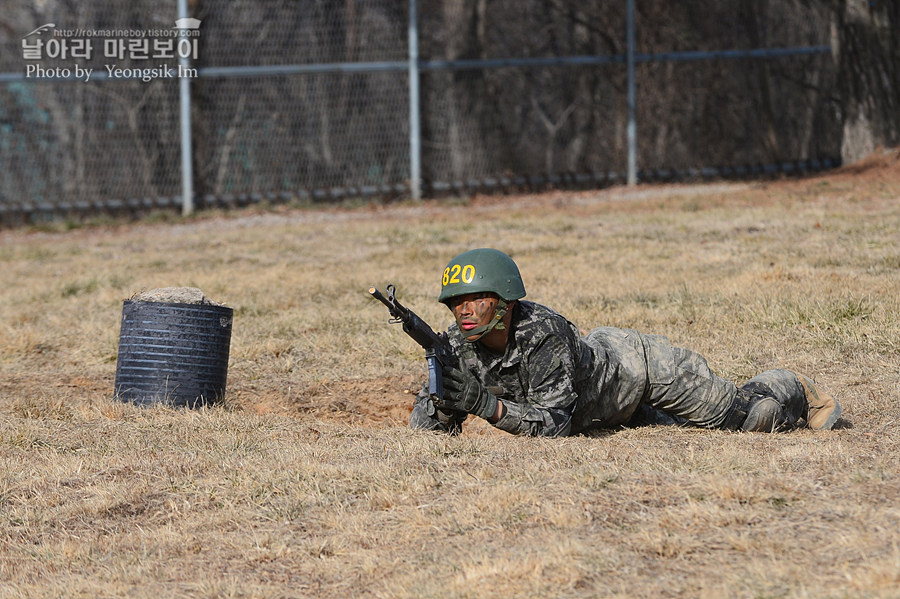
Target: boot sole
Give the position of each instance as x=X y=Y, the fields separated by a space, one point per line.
x=830 y=421
x=824 y=400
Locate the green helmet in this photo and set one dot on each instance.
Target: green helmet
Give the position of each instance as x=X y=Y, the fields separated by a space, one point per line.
x=481 y=270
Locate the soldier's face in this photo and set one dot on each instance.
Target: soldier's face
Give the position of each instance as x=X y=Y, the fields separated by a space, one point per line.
x=473 y=310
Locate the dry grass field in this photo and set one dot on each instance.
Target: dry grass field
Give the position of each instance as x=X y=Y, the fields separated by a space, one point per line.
x=306 y=481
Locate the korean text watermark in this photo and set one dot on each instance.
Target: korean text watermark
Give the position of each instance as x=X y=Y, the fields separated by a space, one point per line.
x=148 y=52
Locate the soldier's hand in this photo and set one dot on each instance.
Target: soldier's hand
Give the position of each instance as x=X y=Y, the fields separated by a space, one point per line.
x=464 y=392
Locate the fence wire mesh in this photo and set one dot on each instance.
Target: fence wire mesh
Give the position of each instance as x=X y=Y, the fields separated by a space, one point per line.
x=71 y=145
x=309 y=131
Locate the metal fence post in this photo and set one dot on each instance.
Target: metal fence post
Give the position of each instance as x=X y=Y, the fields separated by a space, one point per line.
x=184 y=89
x=415 y=151
x=632 y=125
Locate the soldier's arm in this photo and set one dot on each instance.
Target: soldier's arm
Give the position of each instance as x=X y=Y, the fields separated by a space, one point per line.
x=550 y=397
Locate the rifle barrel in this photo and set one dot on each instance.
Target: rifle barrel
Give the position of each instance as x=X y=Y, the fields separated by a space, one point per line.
x=378 y=295
x=396 y=309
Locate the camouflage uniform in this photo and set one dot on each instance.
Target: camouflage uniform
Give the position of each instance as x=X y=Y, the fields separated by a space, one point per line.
x=554 y=382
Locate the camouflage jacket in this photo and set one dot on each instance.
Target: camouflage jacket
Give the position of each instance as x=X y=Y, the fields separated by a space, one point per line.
x=555 y=382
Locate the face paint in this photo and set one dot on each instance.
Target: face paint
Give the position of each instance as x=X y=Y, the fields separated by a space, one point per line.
x=473 y=310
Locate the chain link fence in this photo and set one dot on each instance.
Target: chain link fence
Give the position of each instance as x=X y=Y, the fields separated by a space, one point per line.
x=282 y=110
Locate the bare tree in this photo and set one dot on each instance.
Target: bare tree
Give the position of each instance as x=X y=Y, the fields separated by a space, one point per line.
x=867 y=46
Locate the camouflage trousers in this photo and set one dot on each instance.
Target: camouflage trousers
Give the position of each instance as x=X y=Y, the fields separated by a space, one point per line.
x=697 y=396
x=651 y=380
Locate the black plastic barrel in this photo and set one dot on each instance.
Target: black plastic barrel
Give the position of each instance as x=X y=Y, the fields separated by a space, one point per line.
x=173 y=353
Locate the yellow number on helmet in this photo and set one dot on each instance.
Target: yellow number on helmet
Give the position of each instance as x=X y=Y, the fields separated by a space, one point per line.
x=468 y=273
x=454 y=273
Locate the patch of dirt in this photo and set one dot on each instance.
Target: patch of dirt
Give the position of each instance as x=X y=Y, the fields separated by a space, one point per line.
x=881 y=165
x=379 y=402
x=385 y=400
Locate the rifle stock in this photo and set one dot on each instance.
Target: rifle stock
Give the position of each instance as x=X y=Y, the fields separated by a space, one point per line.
x=437 y=348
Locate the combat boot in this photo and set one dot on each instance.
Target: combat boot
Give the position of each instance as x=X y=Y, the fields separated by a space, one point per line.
x=757 y=408
x=823 y=411
x=765 y=415
x=768 y=411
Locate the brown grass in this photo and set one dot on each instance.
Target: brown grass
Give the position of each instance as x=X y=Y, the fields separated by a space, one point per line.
x=307 y=483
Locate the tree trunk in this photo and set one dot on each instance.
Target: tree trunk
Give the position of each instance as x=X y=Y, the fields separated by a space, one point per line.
x=867 y=50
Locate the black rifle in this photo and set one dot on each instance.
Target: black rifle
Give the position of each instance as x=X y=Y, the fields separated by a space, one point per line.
x=437 y=348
